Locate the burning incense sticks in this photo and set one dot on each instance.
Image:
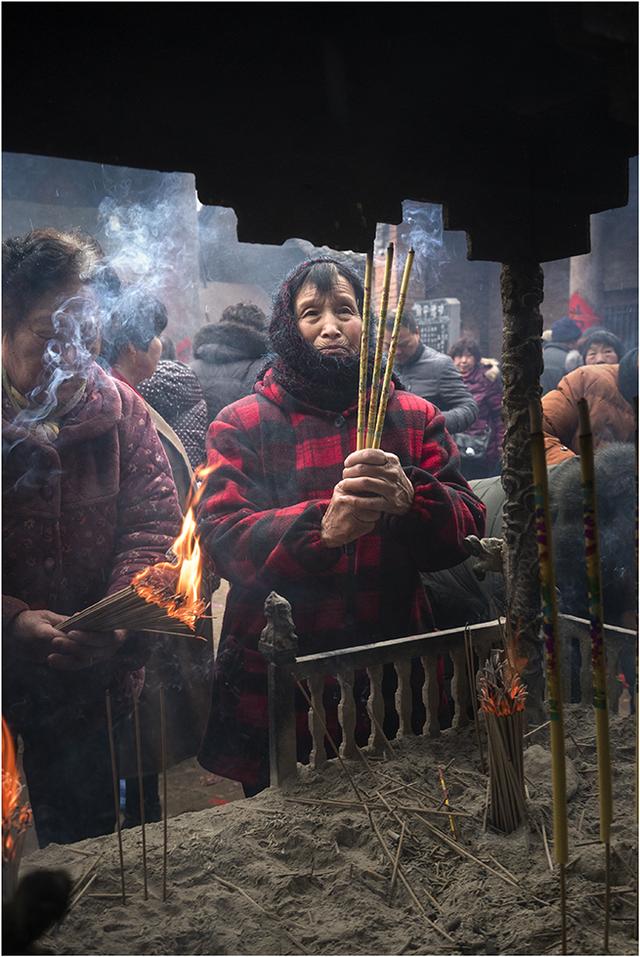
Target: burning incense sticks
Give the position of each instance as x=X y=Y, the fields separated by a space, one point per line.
x=377 y=363
x=116 y=789
x=598 y=659
x=364 y=354
x=16 y=815
x=374 y=442
x=502 y=699
x=550 y=629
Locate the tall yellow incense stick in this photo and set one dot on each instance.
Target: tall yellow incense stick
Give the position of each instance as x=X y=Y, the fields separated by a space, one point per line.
x=377 y=363
x=598 y=657
x=364 y=354
x=388 y=372
x=550 y=630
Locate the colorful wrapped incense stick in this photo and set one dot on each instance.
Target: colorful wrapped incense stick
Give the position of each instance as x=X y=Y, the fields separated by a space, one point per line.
x=388 y=372
x=598 y=657
x=364 y=354
x=552 y=652
x=377 y=363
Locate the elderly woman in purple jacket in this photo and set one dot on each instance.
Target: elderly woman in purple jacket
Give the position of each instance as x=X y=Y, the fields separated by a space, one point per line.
x=88 y=502
x=481 y=445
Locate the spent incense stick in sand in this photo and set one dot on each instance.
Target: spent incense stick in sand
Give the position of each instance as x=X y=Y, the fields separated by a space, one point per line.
x=164 y=597
x=598 y=657
x=116 y=789
x=364 y=354
x=552 y=652
x=377 y=362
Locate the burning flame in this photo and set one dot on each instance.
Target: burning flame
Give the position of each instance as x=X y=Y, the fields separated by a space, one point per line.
x=16 y=817
x=176 y=586
x=501 y=690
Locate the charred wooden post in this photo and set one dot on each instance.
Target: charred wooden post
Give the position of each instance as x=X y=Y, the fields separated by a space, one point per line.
x=279 y=644
x=521 y=286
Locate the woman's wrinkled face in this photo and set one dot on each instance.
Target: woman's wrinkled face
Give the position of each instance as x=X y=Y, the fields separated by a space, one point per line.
x=330 y=321
x=465 y=363
x=53 y=342
x=600 y=354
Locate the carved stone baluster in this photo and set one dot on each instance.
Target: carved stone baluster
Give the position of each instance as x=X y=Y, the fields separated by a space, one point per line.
x=614 y=687
x=347 y=715
x=586 y=683
x=279 y=643
x=460 y=688
x=317 y=722
x=375 y=707
x=403 y=695
x=431 y=695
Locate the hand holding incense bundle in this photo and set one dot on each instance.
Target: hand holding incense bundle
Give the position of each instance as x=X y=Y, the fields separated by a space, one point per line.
x=550 y=630
x=598 y=658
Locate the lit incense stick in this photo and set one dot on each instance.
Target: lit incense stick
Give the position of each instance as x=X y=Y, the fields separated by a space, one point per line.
x=598 y=657
x=388 y=372
x=364 y=354
x=377 y=362
x=550 y=631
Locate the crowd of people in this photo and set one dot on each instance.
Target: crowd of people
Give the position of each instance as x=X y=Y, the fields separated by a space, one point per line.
x=103 y=431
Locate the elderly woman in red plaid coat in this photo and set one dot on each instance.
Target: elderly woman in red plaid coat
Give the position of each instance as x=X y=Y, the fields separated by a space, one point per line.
x=289 y=499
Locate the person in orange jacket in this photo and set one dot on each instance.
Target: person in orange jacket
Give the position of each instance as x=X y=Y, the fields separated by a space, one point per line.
x=610 y=391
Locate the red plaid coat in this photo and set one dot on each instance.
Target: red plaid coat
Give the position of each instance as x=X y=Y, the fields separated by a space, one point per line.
x=277 y=461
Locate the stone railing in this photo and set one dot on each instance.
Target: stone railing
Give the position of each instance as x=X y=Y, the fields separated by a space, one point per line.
x=278 y=644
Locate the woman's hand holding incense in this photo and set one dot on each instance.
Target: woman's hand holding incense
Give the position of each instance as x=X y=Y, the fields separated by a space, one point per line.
x=33 y=633
x=373 y=482
x=81 y=649
x=379 y=477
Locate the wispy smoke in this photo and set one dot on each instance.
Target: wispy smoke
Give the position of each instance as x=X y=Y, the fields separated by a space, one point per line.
x=422 y=228
x=68 y=355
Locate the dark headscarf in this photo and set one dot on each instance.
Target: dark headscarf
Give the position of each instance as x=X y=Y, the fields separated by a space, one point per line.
x=325 y=381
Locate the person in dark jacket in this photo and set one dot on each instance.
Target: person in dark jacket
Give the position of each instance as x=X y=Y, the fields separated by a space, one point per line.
x=433 y=376
x=564 y=337
x=89 y=501
x=487 y=392
x=291 y=506
x=228 y=355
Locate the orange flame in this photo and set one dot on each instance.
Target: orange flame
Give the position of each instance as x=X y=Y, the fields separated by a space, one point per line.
x=16 y=817
x=176 y=586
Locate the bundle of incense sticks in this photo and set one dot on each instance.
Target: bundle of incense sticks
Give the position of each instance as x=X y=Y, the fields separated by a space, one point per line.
x=150 y=603
x=502 y=700
x=370 y=436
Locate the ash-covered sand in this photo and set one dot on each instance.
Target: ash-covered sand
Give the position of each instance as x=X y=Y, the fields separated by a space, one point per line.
x=320 y=874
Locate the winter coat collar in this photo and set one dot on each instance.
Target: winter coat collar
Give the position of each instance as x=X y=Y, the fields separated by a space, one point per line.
x=98 y=411
x=230 y=342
